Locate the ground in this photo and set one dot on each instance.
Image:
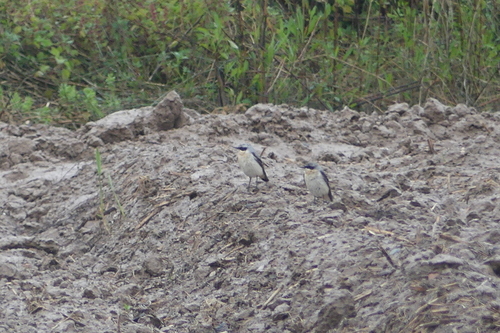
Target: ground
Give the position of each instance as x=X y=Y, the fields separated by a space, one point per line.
x=164 y=236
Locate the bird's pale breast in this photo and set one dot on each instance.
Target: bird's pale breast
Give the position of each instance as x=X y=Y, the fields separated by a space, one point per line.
x=315 y=183
x=249 y=165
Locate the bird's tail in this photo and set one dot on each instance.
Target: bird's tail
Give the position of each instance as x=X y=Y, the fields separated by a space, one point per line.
x=264 y=178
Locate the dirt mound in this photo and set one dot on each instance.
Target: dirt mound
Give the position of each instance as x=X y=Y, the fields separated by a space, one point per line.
x=165 y=237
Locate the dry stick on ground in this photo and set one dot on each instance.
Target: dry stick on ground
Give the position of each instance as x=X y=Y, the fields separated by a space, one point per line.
x=375 y=231
x=448 y=182
x=417 y=313
x=418 y=235
x=363 y=295
x=430 y=143
x=218 y=203
x=386 y=255
x=273 y=295
x=234 y=250
x=452 y=238
x=262 y=152
x=76 y=317
x=147 y=218
x=435 y=227
x=158 y=206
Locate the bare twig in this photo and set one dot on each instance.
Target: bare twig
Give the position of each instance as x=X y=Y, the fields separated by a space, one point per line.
x=386 y=255
x=273 y=295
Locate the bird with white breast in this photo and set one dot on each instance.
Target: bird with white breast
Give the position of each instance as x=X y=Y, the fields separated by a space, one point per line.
x=251 y=164
x=316 y=181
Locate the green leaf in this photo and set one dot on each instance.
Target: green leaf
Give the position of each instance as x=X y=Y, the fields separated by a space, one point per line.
x=55 y=51
x=60 y=60
x=65 y=74
x=46 y=42
x=233 y=45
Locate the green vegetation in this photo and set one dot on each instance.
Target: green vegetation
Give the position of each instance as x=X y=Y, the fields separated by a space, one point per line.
x=101 y=211
x=71 y=61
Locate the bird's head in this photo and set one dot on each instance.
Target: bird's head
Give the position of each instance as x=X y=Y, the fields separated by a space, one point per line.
x=312 y=166
x=244 y=147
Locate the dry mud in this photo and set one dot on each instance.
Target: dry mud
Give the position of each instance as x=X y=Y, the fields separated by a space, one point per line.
x=168 y=239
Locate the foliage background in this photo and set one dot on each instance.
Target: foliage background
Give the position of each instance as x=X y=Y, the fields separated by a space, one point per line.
x=71 y=61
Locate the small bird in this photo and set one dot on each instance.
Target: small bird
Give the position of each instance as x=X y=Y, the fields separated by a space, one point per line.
x=317 y=181
x=251 y=164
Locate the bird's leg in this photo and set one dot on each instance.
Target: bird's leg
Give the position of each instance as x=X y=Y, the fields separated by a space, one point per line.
x=249 y=182
x=256 y=182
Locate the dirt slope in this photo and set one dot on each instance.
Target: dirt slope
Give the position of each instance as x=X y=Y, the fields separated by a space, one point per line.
x=410 y=243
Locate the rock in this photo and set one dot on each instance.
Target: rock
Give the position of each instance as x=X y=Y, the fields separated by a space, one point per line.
x=330 y=157
x=193 y=307
x=243 y=315
x=281 y=312
x=67 y=326
x=15 y=150
x=420 y=128
x=118 y=126
x=154 y=265
x=149 y=319
x=63 y=144
x=263 y=113
x=446 y=260
x=136 y=328
x=37 y=156
x=191 y=114
x=461 y=110
x=128 y=124
x=493 y=237
x=388 y=192
x=222 y=328
x=434 y=111
x=340 y=305
x=494 y=264
x=348 y=115
x=90 y=293
x=167 y=114
x=94 y=141
x=416 y=111
x=130 y=289
x=366 y=124
x=7 y=271
x=399 y=108
x=19 y=146
x=384 y=131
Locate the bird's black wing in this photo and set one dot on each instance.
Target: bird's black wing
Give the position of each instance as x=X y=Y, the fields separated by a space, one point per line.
x=325 y=178
x=257 y=158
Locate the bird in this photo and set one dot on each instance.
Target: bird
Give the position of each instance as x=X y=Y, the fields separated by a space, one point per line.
x=251 y=164
x=317 y=181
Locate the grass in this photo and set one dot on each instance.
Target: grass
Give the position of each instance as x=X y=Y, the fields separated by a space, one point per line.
x=101 y=212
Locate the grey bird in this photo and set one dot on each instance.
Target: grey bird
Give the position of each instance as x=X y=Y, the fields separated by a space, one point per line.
x=251 y=164
x=317 y=181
